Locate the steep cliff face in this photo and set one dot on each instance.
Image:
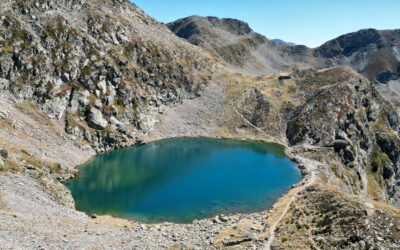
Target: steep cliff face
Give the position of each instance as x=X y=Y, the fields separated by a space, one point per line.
x=103 y=66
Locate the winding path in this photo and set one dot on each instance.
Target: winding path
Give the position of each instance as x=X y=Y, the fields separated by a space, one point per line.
x=270 y=138
x=312 y=167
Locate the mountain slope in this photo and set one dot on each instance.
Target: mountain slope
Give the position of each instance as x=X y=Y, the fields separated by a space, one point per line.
x=103 y=67
x=238 y=45
x=373 y=53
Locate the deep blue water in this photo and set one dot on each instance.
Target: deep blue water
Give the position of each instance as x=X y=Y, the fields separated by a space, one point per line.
x=179 y=180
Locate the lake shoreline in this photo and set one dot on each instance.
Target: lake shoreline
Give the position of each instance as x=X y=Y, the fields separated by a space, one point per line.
x=127 y=163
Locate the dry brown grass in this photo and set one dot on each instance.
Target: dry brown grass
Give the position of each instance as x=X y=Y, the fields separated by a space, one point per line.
x=72 y=122
x=10 y=166
x=6 y=125
x=31 y=110
x=374 y=189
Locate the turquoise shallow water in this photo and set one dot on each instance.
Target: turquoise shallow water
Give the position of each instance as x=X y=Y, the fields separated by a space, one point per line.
x=179 y=180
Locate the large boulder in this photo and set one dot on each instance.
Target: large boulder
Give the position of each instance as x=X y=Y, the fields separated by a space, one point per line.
x=96 y=119
x=340 y=144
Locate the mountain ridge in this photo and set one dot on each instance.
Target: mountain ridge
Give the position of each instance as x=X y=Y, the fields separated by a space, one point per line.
x=377 y=51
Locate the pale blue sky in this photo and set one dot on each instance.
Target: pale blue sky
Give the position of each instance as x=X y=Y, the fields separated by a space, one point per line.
x=309 y=22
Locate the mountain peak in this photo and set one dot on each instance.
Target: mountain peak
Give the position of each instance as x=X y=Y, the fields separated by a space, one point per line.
x=190 y=27
x=231 y=25
x=349 y=43
x=238 y=45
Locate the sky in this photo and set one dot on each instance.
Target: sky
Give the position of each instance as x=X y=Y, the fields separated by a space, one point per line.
x=307 y=22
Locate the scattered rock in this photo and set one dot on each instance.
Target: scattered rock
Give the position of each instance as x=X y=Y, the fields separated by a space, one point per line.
x=3 y=115
x=4 y=153
x=284 y=78
x=223 y=218
x=30 y=167
x=216 y=220
x=233 y=242
x=65 y=77
x=140 y=142
x=102 y=86
x=65 y=240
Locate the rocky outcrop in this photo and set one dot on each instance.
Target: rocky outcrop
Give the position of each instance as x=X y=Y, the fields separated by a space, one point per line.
x=325 y=214
x=100 y=62
x=255 y=107
x=96 y=119
x=349 y=115
x=334 y=116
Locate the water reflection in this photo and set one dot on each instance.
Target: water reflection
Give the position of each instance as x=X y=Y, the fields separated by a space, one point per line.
x=184 y=179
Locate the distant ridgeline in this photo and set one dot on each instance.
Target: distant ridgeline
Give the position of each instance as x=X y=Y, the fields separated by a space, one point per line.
x=373 y=53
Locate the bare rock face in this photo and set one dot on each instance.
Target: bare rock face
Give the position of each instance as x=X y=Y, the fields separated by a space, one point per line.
x=56 y=107
x=96 y=119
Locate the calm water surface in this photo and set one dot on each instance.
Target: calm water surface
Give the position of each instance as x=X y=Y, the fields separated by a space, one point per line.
x=179 y=180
